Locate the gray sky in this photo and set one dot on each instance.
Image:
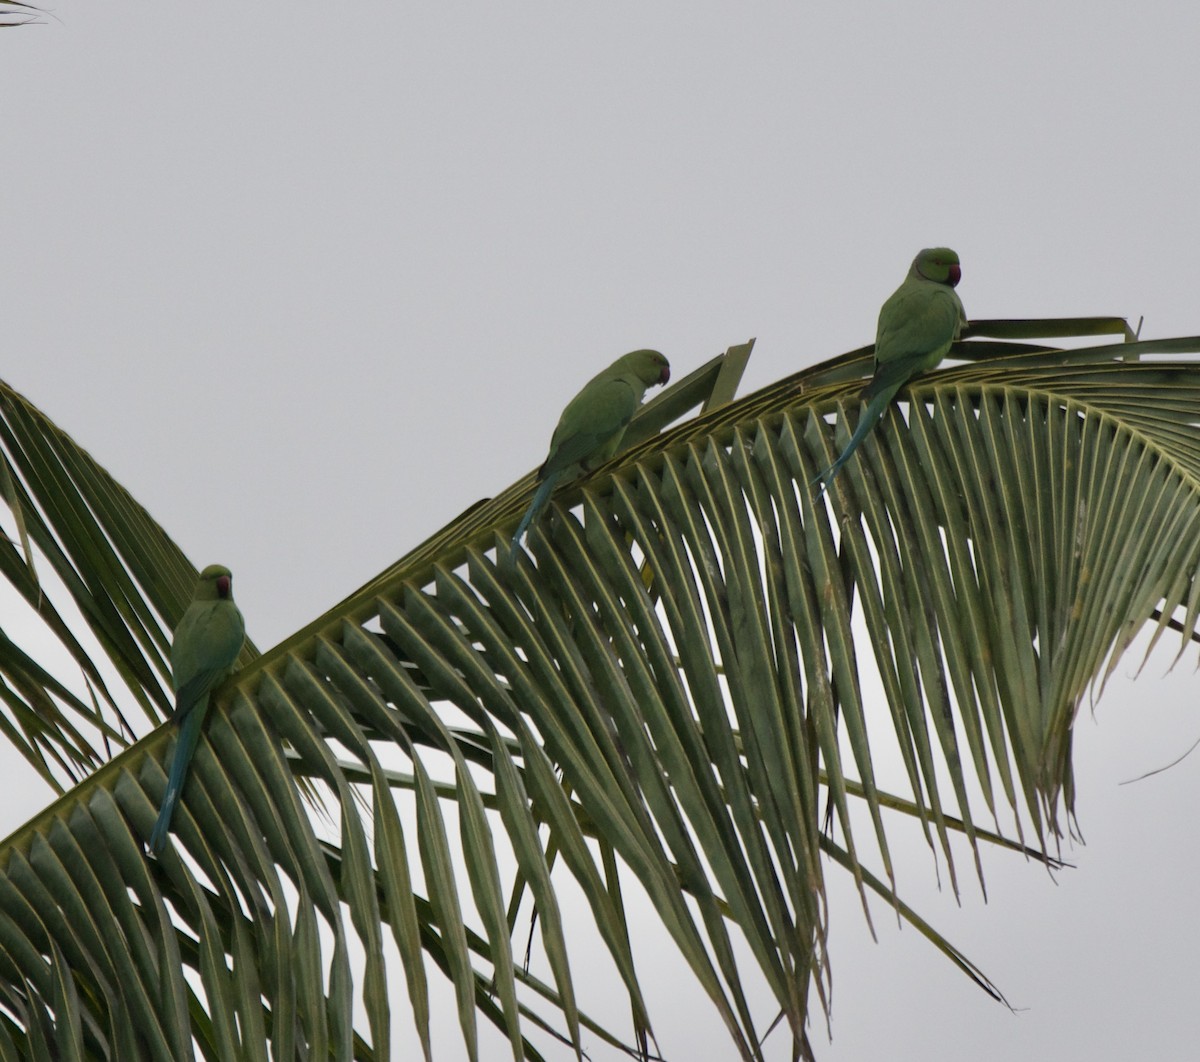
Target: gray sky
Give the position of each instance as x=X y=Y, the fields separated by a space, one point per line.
x=311 y=280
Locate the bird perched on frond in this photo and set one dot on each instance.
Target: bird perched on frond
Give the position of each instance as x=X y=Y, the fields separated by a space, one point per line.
x=204 y=650
x=917 y=325
x=593 y=424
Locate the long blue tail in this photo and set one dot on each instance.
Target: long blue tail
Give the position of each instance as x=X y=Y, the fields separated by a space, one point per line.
x=185 y=749
x=871 y=416
x=540 y=498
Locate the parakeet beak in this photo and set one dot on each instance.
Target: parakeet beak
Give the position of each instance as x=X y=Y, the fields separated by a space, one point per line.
x=223 y=585
x=955 y=275
x=665 y=375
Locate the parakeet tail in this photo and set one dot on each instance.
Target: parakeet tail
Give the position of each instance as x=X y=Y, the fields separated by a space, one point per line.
x=185 y=749
x=879 y=400
x=540 y=498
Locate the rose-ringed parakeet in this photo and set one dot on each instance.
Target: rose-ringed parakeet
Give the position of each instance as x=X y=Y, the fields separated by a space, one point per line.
x=203 y=652
x=917 y=324
x=592 y=426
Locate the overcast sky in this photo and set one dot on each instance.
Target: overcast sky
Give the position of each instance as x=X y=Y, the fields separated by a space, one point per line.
x=311 y=279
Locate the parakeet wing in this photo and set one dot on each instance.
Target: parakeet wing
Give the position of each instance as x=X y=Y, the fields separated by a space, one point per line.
x=592 y=422
x=196 y=688
x=918 y=323
x=206 y=645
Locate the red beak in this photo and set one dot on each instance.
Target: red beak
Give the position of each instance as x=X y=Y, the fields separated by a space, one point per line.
x=223 y=585
x=665 y=375
x=955 y=275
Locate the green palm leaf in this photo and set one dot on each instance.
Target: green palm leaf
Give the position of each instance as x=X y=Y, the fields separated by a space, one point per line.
x=690 y=651
x=14 y=13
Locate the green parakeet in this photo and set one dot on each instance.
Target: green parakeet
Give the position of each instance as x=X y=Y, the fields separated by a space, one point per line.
x=591 y=427
x=917 y=324
x=203 y=652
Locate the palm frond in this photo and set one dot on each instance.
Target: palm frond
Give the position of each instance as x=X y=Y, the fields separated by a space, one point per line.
x=14 y=13
x=688 y=652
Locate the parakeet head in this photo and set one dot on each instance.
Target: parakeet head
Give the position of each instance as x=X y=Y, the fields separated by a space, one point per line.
x=939 y=264
x=649 y=366
x=216 y=581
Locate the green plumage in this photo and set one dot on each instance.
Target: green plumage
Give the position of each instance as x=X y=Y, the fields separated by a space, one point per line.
x=917 y=326
x=203 y=653
x=590 y=429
